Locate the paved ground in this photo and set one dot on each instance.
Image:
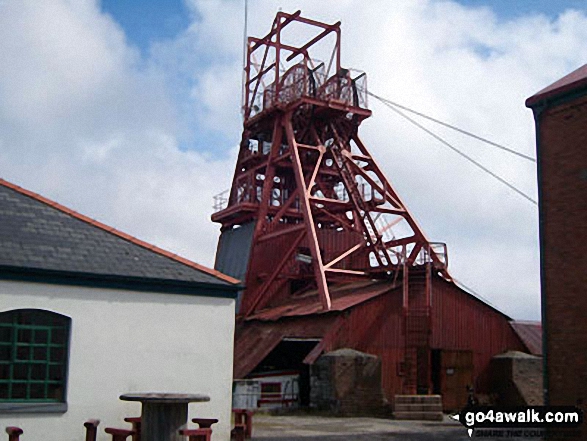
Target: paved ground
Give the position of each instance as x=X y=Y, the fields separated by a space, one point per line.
x=314 y=428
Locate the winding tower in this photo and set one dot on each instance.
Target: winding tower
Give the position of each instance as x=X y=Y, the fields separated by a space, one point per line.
x=309 y=208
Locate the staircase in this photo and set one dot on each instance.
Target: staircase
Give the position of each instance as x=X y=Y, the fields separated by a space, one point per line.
x=417 y=329
x=418 y=407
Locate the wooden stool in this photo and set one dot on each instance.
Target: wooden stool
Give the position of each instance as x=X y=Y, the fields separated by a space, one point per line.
x=119 y=434
x=13 y=433
x=204 y=423
x=91 y=429
x=197 y=434
x=136 y=426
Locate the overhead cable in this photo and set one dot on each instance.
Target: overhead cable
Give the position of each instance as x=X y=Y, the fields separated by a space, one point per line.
x=474 y=293
x=450 y=126
x=464 y=155
x=243 y=76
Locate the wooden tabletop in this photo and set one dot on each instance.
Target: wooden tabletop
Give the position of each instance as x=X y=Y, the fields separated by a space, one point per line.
x=164 y=397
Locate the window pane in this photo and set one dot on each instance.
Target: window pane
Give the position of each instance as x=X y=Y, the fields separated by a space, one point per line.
x=22 y=353
x=40 y=353
x=58 y=335
x=41 y=336
x=5 y=334
x=24 y=335
x=38 y=371
x=33 y=353
x=57 y=354
x=55 y=391
x=18 y=391
x=20 y=371
x=4 y=371
x=37 y=391
x=56 y=372
x=270 y=388
x=5 y=352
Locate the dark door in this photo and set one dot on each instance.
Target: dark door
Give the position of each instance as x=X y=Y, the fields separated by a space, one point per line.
x=456 y=373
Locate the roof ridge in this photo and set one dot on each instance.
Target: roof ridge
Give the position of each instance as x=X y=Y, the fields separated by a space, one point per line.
x=118 y=233
x=574 y=80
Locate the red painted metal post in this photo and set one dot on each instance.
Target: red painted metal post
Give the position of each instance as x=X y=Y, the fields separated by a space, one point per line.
x=13 y=433
x=309 y=220
x=91 y=429
x=276 y=141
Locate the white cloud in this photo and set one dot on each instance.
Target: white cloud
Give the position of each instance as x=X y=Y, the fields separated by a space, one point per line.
x=469 y=67
x=86 y=121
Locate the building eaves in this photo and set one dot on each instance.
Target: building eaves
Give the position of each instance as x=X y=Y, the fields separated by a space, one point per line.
x=569 y=84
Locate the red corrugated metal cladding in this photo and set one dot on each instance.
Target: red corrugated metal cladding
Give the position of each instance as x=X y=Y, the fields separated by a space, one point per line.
x=374 y=324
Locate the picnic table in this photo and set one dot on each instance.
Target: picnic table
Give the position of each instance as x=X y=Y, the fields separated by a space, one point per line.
x=164 y=414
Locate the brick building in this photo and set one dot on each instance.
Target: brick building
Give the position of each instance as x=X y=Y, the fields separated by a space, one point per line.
x=560 y=112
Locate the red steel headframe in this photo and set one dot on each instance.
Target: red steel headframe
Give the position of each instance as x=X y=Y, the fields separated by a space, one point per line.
x=323 y=211
x=255 y=73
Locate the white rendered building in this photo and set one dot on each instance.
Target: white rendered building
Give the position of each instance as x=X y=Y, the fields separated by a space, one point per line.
x=88 y=313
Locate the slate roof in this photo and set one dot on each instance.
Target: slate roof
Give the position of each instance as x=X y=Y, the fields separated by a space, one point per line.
x=37 y=234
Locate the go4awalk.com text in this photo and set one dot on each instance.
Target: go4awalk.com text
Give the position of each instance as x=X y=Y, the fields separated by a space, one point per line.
x=531 y=421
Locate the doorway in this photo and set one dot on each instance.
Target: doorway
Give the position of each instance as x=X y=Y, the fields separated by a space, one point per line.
x=452 y=372
x=288 y=356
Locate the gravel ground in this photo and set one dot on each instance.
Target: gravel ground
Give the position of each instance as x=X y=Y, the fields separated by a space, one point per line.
x=315 y=428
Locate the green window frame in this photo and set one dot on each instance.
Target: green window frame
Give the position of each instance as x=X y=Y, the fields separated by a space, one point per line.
x=34 y=352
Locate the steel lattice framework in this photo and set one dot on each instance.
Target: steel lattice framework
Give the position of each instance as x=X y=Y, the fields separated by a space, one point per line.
x=322 y=209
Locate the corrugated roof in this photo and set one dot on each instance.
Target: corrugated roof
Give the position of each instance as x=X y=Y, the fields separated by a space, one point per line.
x=574 y=80
x=530 y=333
x=303 y=317
x=256 y=339
x=39 y=234
x=342 y=297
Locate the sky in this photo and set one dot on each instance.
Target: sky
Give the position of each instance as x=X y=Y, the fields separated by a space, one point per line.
x=128 y=112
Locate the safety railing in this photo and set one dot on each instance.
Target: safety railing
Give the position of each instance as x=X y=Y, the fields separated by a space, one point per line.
x=305 y=80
